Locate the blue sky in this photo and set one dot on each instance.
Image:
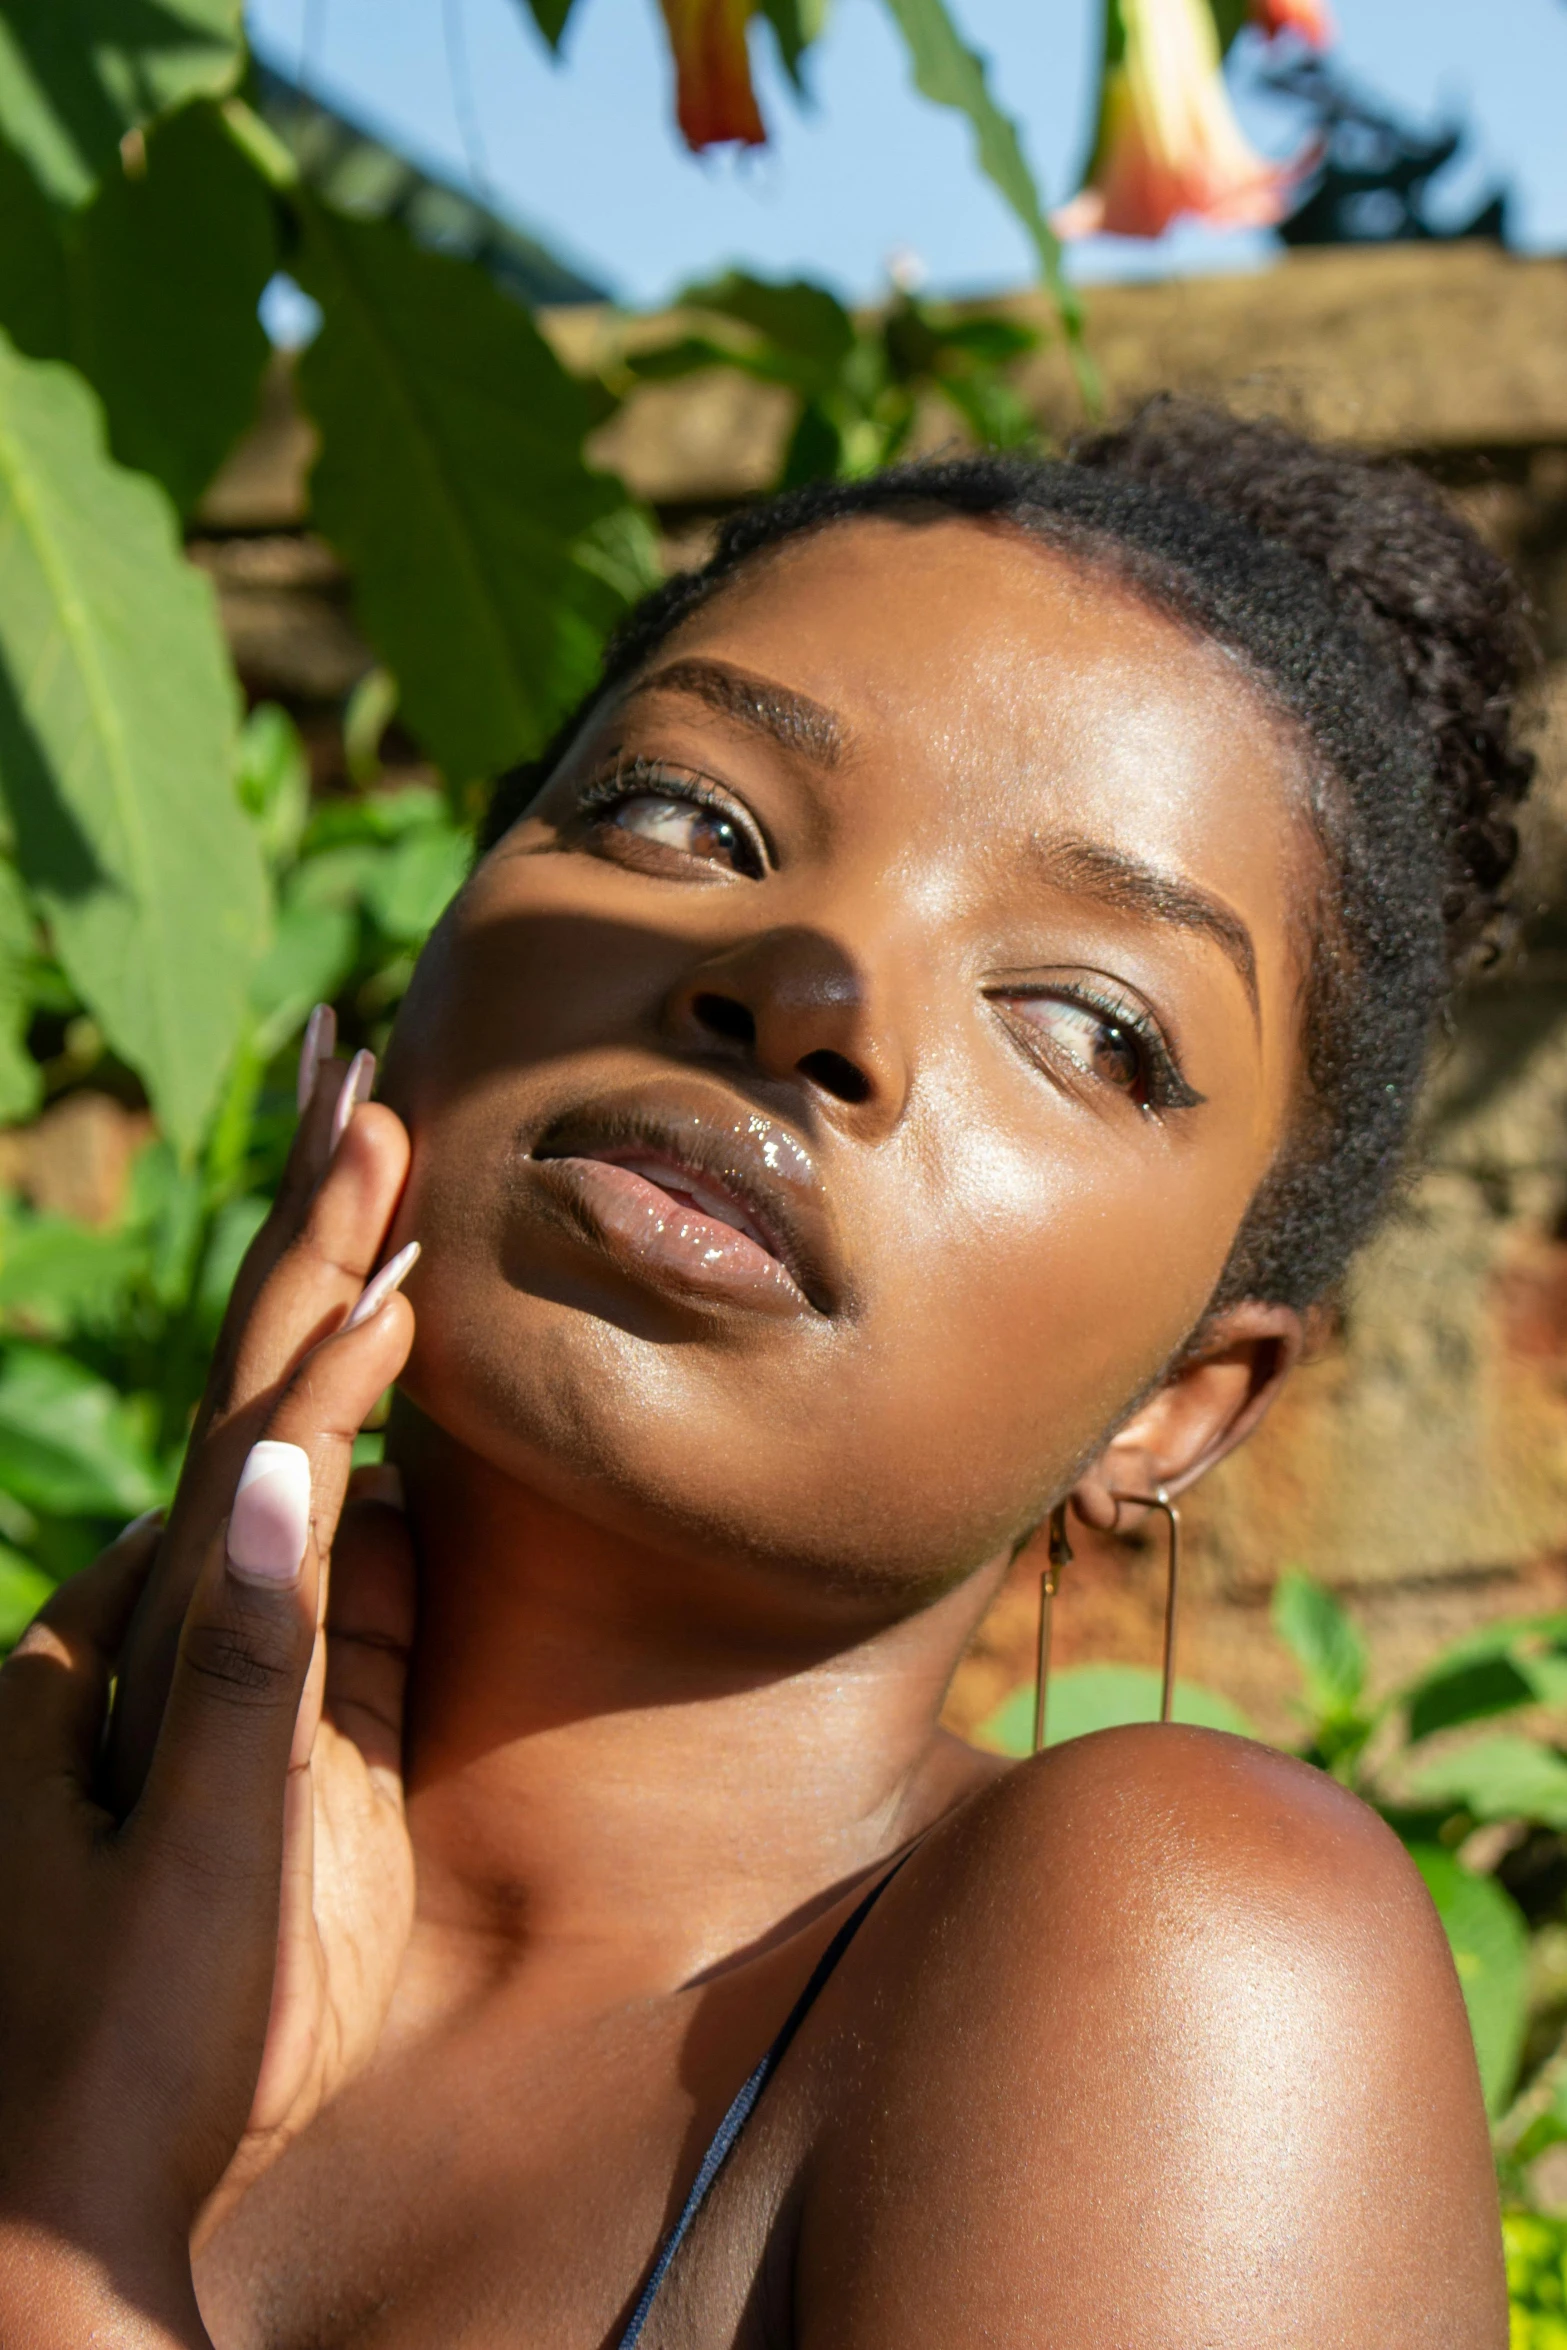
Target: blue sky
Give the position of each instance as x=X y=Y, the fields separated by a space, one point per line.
x=584 y=152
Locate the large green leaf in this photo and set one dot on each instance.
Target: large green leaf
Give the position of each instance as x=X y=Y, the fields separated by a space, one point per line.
x=151 y=291
x=21 y=1080
x=1498 y=1779
x=167 y=267
x=69 y=1445
x=451 y=480
x=950 y=73
x=1490 y=1946
x=117 y=747
x=1323 y=1641
x=35 y=301
x=1104 y=1697
x=76 y=75
x=1468 y=1693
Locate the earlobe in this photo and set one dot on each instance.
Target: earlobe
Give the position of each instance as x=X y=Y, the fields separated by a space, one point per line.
x=1209 y=1403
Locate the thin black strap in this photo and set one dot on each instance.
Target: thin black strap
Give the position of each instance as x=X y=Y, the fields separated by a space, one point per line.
x=744 y=2103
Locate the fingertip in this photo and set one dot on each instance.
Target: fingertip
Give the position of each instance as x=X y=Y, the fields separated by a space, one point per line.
x=378 y=1482
x=269 y=1524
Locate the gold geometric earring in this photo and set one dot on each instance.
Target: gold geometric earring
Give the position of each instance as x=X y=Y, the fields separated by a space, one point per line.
x=1059 y=1555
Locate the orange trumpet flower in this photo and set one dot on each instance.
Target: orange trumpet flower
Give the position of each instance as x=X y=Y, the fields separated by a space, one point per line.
x=1168 y=142
x=1308 y=20
x=714 y=100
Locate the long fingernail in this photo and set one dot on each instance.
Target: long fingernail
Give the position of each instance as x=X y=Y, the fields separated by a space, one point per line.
x=320 y=1038
x=150 y=1517
x=269 y=1524
x=391 y=1276
x=356 y=1089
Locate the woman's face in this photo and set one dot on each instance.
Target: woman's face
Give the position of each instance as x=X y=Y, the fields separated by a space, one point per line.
x=835 y=1100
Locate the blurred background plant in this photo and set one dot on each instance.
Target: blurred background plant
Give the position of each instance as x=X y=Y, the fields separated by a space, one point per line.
x=182 y=877
x=1482 y=1810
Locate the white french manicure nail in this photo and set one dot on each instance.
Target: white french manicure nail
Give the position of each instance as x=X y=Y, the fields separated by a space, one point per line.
x=320 y=1038
x=356 y=1089
x=269 y=1524
x=376 y=1292
x=148 y=1518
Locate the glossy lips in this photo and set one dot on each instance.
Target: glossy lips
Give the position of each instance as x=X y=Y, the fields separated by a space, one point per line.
x=697 y=1195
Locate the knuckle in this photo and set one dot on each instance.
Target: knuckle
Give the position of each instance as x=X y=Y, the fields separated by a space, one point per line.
x=244 y=1664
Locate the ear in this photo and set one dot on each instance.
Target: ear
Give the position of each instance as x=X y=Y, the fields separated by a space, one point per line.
x=1208 y=1404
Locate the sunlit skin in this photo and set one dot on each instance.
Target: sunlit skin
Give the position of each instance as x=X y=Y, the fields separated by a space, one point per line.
x=825 y=1117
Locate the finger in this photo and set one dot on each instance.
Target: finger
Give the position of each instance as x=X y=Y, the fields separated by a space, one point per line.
x=54 y=1686
x=327 y=1401
x=370 y=1619
x=312 y=1286
x=212 y=1807
x=320 y=1246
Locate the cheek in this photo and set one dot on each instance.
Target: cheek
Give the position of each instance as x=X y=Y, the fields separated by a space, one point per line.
x=1031 y=1299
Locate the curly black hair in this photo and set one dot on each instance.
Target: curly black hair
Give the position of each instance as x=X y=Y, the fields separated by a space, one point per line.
x=1387 y=637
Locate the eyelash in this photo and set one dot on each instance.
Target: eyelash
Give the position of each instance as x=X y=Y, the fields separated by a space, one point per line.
x=641 y=777
x=1163 y=1086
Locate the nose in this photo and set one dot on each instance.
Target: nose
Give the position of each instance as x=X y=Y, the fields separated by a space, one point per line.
x=794 y=1005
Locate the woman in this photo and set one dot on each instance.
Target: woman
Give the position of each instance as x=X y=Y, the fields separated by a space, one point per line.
x=913 y=1053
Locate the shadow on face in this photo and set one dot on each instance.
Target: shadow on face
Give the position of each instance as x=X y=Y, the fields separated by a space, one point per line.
x=835 y=1100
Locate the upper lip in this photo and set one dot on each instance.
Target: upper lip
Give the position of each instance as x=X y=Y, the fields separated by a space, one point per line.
x=743 y=1154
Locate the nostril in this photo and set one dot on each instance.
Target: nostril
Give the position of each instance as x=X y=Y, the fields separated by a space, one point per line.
x=836 y=1075
x=721 y=1015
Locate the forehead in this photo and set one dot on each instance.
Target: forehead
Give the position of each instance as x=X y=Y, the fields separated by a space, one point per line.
x=1003 y=678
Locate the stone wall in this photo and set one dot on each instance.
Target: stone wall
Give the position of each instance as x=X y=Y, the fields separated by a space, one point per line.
x=1420 y=1465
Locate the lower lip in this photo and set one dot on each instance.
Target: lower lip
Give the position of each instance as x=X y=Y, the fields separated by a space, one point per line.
x=677 y=1245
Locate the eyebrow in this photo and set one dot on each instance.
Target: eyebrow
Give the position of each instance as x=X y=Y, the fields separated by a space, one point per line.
x=1095 y=870
x=785 y=717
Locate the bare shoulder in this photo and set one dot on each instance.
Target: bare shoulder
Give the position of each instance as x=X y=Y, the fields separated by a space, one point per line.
x=1160 y=2038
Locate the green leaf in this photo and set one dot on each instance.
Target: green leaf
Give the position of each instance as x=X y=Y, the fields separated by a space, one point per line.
x=949 y=73
x=58 y=1276
x=1323 y=1641
x=1442 y=1700
x=35 y=300
x=795 y=24
x=117 y=747
x=1104 y=1697
x=313 y=951
x=76 y=75
x=274 y=780
x=1490 y=1946
x=797 y=316
x=550 y=16
x=451 y=480
x=1499 y=1779
x=411 y=886
x=69 y=1445
x=21 y=1080
x=23 y=1590
x=166 y=269
x=1229 y=17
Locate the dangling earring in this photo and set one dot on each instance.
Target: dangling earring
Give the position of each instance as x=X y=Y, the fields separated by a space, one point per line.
x=1159 y=1499
x=1059 y=1554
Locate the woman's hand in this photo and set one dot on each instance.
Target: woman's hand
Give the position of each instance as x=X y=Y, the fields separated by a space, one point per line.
x=196 y=1964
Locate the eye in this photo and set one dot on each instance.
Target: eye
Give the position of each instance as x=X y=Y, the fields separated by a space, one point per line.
x=680 y=818
x=1115 y=1044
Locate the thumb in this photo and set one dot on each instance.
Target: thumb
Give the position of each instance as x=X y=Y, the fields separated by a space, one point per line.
x=214 y=1798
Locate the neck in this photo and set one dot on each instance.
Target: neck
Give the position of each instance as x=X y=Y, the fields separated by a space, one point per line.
x=627 y=1765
